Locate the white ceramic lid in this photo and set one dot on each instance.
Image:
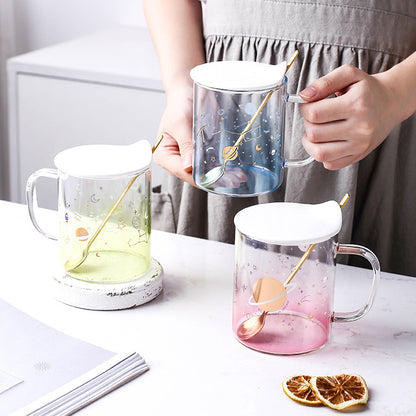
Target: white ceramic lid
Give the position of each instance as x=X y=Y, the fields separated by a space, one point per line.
x=238 y=75
x=286 y=223
x=104 y=161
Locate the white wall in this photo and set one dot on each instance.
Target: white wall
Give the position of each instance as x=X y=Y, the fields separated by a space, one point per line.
x=7 y=49
x=40 y=23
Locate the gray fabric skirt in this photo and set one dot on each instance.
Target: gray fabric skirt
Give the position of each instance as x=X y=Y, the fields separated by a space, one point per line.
x=373 y=35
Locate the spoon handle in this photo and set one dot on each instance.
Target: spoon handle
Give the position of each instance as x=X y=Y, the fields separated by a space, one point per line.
x=117 y=203
x=291 y=60
x=155 y=146
x=253 y=119
x=297 y=267
x=126 y=189
x=311 y=247
x=266 y=98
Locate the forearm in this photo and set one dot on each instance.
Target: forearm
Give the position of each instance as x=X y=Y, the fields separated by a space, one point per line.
x=402 y=83
x=176 y=30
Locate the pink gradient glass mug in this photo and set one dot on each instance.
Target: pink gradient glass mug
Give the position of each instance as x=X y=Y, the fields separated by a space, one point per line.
x=270 y=241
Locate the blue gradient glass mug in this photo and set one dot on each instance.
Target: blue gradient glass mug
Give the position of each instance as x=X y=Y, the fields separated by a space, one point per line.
x=238 y=127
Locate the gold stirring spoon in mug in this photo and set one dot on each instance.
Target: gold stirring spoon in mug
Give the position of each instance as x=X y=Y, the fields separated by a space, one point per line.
x=252 y=326
x=76 y=259
x=230 y=153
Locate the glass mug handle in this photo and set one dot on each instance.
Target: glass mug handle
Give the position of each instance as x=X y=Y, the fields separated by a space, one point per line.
x=373 y=260
x=294 y=98
x=31 y=196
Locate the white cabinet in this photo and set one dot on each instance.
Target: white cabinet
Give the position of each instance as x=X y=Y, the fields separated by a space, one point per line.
x=104 y=88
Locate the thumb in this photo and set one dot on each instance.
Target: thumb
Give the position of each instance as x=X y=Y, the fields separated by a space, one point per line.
x=186 y=150
x=334 y=82
x=186 y=153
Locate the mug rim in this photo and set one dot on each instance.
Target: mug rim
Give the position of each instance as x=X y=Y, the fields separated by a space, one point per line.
x=197 y=73
x=267 y=89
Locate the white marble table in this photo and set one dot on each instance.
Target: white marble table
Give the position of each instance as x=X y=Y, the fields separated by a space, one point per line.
x=197 y=366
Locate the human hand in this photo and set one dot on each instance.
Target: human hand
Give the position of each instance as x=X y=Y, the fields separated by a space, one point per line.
x=175 y=151
x=344 y=129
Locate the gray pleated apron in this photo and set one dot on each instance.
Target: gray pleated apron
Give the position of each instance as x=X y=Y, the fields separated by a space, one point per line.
x=373 y=35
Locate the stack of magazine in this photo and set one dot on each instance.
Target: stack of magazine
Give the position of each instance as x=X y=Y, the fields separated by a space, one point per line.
x=46 y=372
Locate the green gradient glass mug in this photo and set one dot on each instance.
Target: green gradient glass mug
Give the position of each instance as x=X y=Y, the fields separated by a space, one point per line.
x=90 y=181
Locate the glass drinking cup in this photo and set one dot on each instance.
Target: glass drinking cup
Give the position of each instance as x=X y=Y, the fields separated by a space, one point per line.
x=230 y=162
x=299 y=319
x=121 y=251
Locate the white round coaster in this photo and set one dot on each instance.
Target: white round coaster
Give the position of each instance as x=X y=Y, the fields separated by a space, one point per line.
x=109 y=296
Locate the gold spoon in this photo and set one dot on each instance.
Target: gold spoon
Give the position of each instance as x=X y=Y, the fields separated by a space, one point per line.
x=252 y=326
x=76 y=259
x=216 y=173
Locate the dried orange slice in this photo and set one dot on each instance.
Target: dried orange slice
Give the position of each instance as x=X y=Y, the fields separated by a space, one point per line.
x=340 y=392
x=298 y=389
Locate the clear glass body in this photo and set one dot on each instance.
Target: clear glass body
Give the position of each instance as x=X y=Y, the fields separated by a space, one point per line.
x=121 y=251
x=253 y=166
x=299 y=313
